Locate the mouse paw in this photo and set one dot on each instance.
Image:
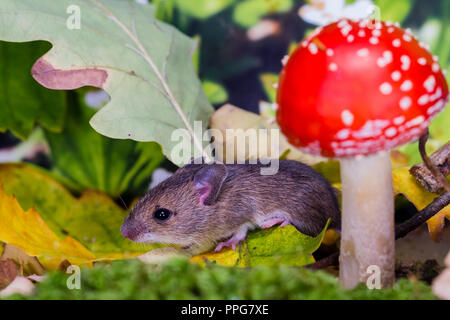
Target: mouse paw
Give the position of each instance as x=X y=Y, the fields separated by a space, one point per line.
x=232 y=242
x=274 y=221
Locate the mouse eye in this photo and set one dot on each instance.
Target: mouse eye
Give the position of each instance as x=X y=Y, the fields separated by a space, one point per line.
x=162 y=214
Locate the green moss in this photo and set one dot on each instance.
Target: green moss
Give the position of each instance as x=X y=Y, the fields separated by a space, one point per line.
x=180 y=279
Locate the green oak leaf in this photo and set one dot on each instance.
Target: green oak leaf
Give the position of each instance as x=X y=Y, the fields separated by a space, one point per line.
x=92 y=161
x=144 y=64
x=23 y=102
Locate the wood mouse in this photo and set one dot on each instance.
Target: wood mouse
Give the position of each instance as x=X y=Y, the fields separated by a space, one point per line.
x=203 y=206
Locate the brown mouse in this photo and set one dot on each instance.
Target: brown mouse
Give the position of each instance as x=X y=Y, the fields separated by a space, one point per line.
x=214 y=205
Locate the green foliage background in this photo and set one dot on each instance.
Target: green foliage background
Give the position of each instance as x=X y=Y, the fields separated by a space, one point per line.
x=82 y=159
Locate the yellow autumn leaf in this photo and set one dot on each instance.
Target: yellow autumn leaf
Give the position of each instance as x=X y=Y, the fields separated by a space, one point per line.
x=226 y=257
x=92 y=220
x=28 y=231
x=405 y=184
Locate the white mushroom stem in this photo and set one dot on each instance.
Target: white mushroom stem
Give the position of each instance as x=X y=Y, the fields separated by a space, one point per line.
x=368 y=237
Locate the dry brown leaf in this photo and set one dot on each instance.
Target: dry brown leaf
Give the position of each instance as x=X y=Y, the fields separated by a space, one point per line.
x=8 y=272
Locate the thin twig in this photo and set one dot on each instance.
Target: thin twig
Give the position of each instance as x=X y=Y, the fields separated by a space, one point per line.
x=428 y=212
x=441 y=159
x=331 y=260
x=429 y=164
x=146 y=56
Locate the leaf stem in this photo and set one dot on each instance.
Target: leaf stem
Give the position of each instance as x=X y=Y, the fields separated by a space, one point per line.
x=147 y=58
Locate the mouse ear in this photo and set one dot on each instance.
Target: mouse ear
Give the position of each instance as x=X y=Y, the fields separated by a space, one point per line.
x=208 y=182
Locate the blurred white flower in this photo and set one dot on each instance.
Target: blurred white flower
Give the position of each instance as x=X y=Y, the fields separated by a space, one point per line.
x=323 y=12
x=19 y=285
x=263 y=29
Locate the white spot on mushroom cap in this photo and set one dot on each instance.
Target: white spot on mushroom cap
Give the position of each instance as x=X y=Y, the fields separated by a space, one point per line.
x=381 y=62
x=436 y=107
x=423 y=100
x=406 y=62
x=407 y=37
x=374 y=40
x=284 y=60
x=405 y=103
x=435 y=67
x=347 y=117
x=422 y=61
x=385 y=59
x=363 y=23
x=388 y=55
x=342 y=23
x=314 y=147
x=407 y=85
x=430 y=83
x=362 y=52
x=313 y=48
x=372 y=128
x=347 y=143
x=390 y=132
x=397 y=43
x=361 y=33
x=376 y=33
x=346 y=30
x=333 y=66
x=386 y=88
x=399 y=120
x=330 y=52
x=415 y=122
x=436 y=95
x=396 y=75
x=351 y=38
x=343 y=134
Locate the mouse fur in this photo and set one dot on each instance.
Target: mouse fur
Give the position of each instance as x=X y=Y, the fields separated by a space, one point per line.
x=216 y=204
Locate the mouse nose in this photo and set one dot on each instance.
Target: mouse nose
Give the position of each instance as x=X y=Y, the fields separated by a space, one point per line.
x=128 y=231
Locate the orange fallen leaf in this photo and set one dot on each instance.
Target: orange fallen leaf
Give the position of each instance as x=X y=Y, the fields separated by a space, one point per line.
x=8 y=272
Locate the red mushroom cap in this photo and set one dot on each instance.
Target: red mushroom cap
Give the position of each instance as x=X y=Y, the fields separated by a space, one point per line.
x=358 y=87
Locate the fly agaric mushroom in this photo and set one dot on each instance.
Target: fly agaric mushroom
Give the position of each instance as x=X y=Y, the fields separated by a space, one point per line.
x=354 y=90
